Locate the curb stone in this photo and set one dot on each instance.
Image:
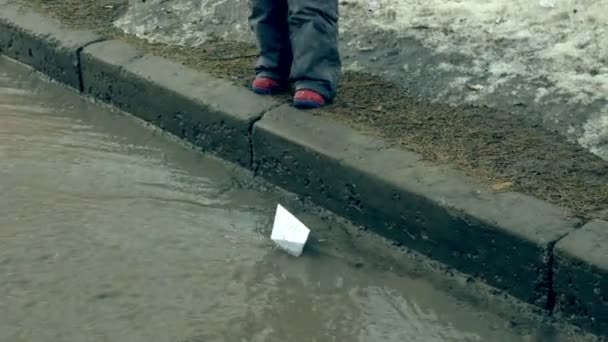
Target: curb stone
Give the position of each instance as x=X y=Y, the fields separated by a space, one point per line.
x=581 y=276
x=43 y=44
x=213 y=114
x=505 y=239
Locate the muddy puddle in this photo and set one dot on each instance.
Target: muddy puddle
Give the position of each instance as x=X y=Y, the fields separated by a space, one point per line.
x=112 y=231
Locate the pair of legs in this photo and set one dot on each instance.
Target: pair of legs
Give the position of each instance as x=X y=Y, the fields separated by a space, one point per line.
x=298 y=43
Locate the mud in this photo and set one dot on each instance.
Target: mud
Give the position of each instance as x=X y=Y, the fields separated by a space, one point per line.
x=505 y=151
x=114 y=231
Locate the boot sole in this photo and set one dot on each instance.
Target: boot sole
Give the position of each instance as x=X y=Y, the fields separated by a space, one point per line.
x=303 y=104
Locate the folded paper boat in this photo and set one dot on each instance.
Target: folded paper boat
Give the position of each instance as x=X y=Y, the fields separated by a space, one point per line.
x=288 y=232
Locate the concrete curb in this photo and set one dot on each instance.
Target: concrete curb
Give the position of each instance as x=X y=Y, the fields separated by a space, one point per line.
x=211 y=113
x=581 y=276
x=43 y=44
x=505 y=239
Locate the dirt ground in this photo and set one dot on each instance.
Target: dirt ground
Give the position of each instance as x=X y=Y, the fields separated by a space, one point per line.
x=495 y=147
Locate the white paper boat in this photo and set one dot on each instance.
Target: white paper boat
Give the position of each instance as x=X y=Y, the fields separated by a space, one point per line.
x=288 y=232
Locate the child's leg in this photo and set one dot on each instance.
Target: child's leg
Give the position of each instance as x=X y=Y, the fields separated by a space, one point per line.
x=313 y=26
x=268 y=21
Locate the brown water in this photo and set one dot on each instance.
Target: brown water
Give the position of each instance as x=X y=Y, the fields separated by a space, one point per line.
x=112 y=231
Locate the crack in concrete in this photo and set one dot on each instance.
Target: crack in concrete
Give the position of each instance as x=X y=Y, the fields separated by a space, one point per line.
x=79 y=61
x=551 y=297
x=551 y=294
x=252 y=167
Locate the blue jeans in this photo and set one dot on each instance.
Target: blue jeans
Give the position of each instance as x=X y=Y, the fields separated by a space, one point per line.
x=298 y=41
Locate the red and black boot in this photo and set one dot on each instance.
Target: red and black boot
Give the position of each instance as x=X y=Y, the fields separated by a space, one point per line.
x=266 y=86
x=308 y=99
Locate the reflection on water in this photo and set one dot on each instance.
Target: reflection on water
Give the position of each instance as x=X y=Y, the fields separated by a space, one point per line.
x=110 y=231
